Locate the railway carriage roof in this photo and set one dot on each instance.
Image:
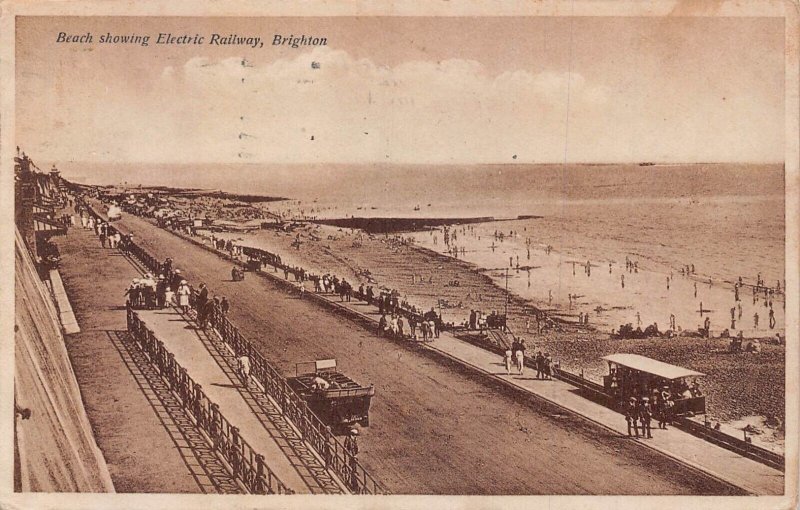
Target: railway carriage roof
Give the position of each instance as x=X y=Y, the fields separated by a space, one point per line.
x=651 y=366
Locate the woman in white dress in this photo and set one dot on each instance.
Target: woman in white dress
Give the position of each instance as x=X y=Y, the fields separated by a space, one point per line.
x=183 y=296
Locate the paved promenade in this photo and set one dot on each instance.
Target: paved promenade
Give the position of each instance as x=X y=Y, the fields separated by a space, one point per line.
x=210 y=364
x=148 y=449
x=142 y=444
x=741 y=471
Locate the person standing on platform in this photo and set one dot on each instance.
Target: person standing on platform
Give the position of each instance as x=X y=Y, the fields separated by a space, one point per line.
x=539 y=365
x=632 y=417
x=161 y=292
x=519 y=357
x=507 y=360
x=351 y=446
x=645 y=415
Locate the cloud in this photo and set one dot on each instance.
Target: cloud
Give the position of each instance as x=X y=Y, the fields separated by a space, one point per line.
x=356 y=111
x=352 y=110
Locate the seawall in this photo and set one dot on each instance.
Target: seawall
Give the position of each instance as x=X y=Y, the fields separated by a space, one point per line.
x=55 y=447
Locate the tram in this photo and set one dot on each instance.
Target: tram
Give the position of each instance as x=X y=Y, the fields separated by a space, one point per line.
x=632 y=375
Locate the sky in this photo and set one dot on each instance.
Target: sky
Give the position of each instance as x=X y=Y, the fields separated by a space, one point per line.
x=467 y=90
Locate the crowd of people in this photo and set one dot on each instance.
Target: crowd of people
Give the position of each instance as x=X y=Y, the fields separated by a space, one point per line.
x=640 y=411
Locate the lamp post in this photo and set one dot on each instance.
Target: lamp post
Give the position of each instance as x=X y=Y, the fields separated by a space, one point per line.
x=506 y=309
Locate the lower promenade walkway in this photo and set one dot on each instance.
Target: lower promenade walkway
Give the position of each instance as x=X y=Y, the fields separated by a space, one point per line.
x=211 y=364
x=145 y=440
x=149 y=443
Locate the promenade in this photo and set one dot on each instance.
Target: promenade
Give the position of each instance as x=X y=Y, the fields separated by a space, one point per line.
x=149 y=442
x=213 y=366
x=143 y=444
x=432 y=415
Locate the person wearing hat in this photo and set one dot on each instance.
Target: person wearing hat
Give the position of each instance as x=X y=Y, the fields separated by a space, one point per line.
x=161 y=292
x=183 y=296
x=665 y=408
x=202 y=297
x=176 y=280
x=351 y=446
x=632 y=416
x=645 y=415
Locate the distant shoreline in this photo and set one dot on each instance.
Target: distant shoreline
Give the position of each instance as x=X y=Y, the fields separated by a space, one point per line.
x=195 y=193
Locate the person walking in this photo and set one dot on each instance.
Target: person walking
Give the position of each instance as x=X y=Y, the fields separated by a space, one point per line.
x=244 y=369
x=507 y=360
x=519 y=358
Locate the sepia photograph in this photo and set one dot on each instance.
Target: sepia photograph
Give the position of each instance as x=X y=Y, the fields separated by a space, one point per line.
x=377 y=255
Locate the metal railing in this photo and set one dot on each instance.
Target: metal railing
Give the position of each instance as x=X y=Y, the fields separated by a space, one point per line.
x=319 y=436
x=336 y=457
x=246 y=464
